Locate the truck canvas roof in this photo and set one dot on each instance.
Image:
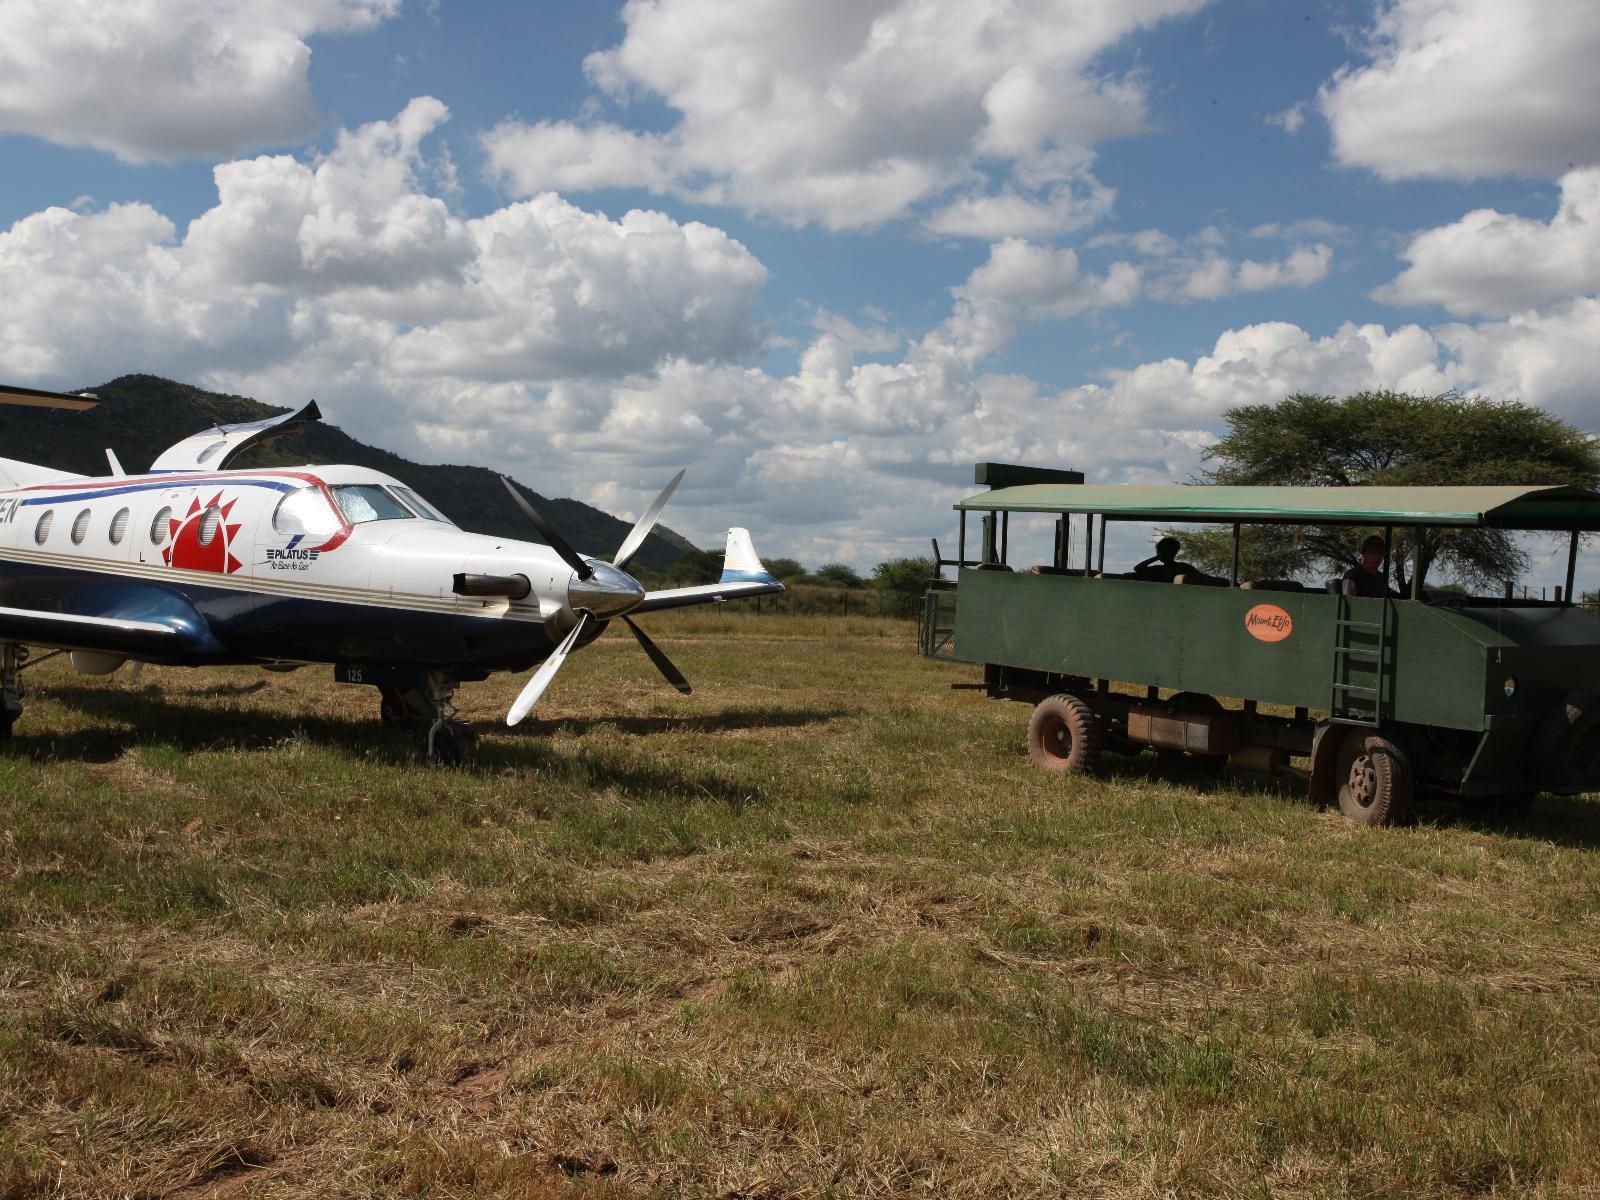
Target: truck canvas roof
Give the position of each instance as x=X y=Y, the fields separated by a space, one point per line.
x=1514 y=507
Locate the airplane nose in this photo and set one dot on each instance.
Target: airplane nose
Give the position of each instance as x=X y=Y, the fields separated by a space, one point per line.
x=606 y=593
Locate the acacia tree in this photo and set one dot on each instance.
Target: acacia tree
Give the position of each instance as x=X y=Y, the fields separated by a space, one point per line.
x=1384 y=437
x=901 y=583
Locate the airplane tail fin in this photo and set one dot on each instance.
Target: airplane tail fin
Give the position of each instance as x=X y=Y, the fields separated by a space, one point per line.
x=15 y=474
x=740 y=563
x=742 y=575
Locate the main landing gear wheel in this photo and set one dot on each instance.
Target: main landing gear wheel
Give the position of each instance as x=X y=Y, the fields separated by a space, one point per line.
x=405 y=708
x=12 y=656
x=1374 y=779
x=1064 y=736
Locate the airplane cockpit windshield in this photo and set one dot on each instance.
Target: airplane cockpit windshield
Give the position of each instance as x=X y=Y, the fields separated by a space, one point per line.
x=363 y=502
x=307 y=511
x=418 y=505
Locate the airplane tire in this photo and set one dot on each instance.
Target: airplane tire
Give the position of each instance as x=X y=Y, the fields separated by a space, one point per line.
x=1566 y=750
x=1064 y=736
x=453 y=745
x=1373 y=776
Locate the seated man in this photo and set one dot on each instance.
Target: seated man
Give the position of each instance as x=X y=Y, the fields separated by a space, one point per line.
x=1366 y=577
x=1163 y=566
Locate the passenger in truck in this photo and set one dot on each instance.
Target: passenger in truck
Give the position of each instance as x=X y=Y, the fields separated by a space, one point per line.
x=1163 y=566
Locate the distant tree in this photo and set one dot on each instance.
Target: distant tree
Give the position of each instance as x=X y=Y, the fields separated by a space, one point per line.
x=784 y=568
x=900 y=583
x=1378 y=438
x=838 y=575
x=698 y=566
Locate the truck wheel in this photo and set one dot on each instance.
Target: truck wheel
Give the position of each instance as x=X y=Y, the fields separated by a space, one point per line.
x=1373 y=776
x=1064 y=735
x=1566 y=750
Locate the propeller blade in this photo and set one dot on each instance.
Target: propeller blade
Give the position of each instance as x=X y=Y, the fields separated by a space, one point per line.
x=548 y=531
x=642 y=527
x=659 y=657
x=535 y=687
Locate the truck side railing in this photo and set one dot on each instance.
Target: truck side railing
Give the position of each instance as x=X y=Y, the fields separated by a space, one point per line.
x=938 y=631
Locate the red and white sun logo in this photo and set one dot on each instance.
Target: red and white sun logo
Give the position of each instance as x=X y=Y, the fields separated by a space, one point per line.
x=202 y=539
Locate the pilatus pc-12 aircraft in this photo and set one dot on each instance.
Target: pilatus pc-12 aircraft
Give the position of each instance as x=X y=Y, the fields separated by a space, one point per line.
x=191 y=564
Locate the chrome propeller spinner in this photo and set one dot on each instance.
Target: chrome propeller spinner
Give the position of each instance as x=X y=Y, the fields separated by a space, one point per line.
x=597 y=592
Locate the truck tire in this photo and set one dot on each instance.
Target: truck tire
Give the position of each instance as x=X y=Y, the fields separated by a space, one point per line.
x=1373 y=776
x=1064 y=735
x=1566 y=750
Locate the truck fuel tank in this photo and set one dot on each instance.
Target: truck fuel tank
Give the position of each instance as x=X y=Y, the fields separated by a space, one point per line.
x=1194 y=731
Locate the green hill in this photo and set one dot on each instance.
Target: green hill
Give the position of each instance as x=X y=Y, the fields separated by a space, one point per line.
x=139 y=416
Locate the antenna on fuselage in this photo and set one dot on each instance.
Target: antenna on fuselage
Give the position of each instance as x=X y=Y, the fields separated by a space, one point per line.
x=116 y=468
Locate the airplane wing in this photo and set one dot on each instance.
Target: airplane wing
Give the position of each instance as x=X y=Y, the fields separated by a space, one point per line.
x=15 y=474
x=742 y=575
x=709 y=593
x=211 y=450
x=34 y=398
x=112 y=635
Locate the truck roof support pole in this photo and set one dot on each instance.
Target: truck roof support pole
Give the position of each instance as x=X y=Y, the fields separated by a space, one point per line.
x=1572 y=564
x=961 y=543
x=1102 y=566
x=1388 y=549
x=1416 y=564
x=1234 y=580
x=1088 y=543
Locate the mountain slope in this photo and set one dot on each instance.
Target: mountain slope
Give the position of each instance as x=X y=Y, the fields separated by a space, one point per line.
x=141 y=415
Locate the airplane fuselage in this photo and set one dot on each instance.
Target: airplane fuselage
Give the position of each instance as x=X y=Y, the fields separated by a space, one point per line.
x=331 y=564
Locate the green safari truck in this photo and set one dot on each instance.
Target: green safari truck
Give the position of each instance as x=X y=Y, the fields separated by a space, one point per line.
x=1438 y=695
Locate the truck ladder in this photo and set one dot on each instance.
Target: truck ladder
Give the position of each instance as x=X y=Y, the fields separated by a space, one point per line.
x=1362 y=673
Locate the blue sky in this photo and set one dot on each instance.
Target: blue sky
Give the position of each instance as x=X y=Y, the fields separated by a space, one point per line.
x=824 y=253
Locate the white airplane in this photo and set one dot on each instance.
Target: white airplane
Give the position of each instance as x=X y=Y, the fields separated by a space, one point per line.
x=191 y=564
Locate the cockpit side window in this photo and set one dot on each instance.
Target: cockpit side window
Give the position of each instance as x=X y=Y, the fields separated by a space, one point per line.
x=305 y=511
x=362 y=502
x=420 y=506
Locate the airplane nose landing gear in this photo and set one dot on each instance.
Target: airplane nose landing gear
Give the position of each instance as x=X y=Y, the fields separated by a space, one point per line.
x=451 y=741
x=423 y=701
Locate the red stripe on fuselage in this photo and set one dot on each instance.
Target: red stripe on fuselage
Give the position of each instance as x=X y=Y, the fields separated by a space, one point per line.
x=176 y=479
x=181 y=479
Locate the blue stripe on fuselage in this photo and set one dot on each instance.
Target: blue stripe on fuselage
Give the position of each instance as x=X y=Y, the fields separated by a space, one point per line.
x=166 y=485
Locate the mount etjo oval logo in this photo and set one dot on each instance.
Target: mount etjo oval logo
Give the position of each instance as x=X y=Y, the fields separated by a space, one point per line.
x=1268 y=623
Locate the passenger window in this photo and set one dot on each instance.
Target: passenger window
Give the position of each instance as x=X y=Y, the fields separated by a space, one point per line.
x=80 y=528
x=160 y=527
x=305 y=511
x=119 y=527
x=42 y=529
x=209 y=520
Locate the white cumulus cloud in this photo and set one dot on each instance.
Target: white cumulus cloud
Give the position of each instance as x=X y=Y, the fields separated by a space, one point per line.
x=1468 y=89
x=159 y=80
x=847 y=113
x=346 y=267
x=1494 y=263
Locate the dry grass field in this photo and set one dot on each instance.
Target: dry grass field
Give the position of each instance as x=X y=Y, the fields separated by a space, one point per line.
x=817 y=930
